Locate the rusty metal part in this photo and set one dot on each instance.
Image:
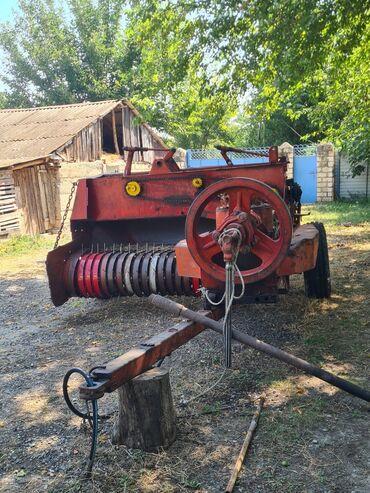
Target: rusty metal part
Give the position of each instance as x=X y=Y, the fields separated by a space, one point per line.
x=195 y=284
x=95 y=272
x=302 y=252
x=187 y=286
x=238 y=150
x=178 y=285
x=161 y=281
x=88 y=274
x=153 y=273
x=241 y=191
x=103 y=272
x=136 y=274
x=181 y=311
x=120 y=274
x=111 y=274
x=145 y=273
x=170 y=267
x=70 y=274
x=81 y=275
x=127 y=275
x=141 y=358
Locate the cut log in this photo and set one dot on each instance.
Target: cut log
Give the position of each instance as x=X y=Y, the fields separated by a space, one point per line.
x=146 y=418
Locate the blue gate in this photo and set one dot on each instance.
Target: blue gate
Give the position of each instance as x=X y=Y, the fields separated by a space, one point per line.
x=305 y=171
x=304 y=165
x=201 y=158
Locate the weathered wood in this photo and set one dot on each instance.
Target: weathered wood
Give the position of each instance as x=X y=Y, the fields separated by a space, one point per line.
x=114 y=131
x=146 y=418
x=245 y=446
x=43 y=196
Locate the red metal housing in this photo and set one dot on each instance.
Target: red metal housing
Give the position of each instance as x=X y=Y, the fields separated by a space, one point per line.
x=128 y=231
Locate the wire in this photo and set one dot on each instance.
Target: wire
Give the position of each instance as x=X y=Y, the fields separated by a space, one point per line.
x=206 y=390
x=94 y=421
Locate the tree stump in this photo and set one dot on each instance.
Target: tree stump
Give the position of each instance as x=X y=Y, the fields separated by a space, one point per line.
x=146 y=417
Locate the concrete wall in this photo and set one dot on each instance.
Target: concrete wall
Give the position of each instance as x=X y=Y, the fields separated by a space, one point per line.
x=71 y=172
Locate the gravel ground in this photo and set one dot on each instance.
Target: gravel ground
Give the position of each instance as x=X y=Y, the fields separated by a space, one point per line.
x=311 y=438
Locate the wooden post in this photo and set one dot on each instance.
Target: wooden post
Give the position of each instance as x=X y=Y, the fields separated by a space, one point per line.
x=114 y=130
x=146 y=418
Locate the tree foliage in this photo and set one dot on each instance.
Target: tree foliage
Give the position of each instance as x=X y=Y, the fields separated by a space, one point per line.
x=252 y=73
x=307 y=62
x=80 y=50
x=298 y=68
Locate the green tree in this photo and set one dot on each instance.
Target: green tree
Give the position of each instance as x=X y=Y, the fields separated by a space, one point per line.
x=79 y=50
x=301 y=65
x=70 y=53
x=306 y=61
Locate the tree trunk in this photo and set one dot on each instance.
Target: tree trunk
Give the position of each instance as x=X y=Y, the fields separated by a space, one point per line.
x=146 y=418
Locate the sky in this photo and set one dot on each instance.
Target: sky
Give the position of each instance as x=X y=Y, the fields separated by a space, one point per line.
x=6 y=7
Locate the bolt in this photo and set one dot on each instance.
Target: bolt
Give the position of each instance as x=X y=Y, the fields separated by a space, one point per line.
x=215 y=235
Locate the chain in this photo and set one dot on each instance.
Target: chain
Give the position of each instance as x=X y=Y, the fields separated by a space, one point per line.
x=71 y=193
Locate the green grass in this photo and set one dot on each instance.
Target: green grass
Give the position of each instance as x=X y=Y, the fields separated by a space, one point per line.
x=339 y=212
x=23 y=244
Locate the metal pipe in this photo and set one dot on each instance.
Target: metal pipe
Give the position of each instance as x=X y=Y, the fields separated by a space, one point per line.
x=181 y=311
x=227 y=327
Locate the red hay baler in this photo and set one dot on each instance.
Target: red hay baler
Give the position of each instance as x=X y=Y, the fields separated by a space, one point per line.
x=171 y=231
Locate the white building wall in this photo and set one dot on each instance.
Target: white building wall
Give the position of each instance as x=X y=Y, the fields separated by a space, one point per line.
x=348 y=186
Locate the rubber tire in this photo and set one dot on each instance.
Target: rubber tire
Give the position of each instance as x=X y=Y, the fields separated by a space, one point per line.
x=317 y=282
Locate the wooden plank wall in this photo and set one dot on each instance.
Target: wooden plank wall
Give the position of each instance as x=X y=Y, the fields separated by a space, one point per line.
x=136 y=135
x=86 y=145
x=9 y=220
x=39 y=201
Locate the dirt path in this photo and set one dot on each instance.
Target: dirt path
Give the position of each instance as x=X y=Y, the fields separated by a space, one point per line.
x=311 y=438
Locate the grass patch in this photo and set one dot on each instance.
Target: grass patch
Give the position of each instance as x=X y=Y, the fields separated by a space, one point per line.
x=23 y=244
x=338 y=212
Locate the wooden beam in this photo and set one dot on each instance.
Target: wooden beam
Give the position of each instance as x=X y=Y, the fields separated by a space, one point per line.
x=114 y=130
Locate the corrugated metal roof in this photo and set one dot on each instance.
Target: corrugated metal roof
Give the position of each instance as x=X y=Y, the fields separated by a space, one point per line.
x=32 y=133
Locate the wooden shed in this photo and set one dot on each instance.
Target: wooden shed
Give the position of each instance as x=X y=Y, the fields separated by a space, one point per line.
x=43 y=150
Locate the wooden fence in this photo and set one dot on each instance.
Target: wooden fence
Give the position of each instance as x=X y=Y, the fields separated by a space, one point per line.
x=9 y=220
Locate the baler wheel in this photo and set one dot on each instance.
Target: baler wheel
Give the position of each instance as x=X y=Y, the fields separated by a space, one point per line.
x=317 y=282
